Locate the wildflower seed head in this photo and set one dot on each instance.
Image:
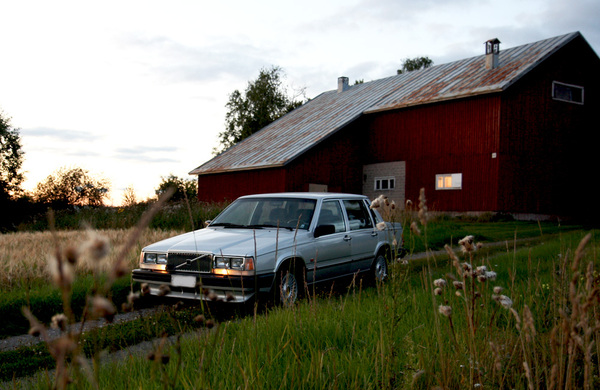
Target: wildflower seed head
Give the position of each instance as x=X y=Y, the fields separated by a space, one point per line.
x=381 y=226
x=59 y=321
x=145 y=289
x=163 y=290
x=209 y=324
x=62 y=272
x=213 y=296
x=414 y=228
x=71 y=255
x=437 y=291
x=445 y=310
x=467 y=244
x=458 y=285
x=35 y=330
x=103 y=308
x=481 y=278
x=503 y=300
x=482 y=269
x=440 y=283
x=200 y=318
x=98 y=246
x=498 y=290
x=491 y=275
x=132 y=297
x=63 y=346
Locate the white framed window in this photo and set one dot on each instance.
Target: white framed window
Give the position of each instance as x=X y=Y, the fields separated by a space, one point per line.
x=567 y=92
x=448 y=181
x=385 y=183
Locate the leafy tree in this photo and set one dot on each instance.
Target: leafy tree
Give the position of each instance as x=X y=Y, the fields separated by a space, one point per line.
x=264 y=100
x=72 y=187
x=408 y=65
x=11 y=159
x=184 y=188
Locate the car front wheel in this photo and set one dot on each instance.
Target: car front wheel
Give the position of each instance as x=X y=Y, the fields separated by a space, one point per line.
x=289 y=285
x=380 y=268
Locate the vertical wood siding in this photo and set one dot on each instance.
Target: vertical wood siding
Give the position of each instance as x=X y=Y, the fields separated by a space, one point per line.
x=453 y=137
x=231 y=185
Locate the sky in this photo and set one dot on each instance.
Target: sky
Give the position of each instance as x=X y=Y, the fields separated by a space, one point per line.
x=134 y=91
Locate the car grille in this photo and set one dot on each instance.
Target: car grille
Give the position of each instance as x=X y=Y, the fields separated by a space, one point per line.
x=175 y=261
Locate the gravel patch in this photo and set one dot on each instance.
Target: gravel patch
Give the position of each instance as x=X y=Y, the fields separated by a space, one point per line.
x=15 y=342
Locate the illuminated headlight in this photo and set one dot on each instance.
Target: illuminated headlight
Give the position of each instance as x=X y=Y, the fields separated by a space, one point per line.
x=236 y=263
x=161 y=258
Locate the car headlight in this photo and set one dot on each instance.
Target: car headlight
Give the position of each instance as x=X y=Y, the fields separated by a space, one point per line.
x=155 y=258
x=235 y=263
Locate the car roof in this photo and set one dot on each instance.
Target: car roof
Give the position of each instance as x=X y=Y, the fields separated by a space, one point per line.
x=306 y=195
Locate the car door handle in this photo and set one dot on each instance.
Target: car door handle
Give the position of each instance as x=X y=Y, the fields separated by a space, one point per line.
x=347 y=238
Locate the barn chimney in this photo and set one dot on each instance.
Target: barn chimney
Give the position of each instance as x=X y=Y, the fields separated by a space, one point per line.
x=342 y=84
x=492 y=51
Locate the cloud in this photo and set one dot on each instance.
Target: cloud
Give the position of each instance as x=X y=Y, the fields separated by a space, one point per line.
x=148 y=154
x=59 y=134
x=174 y=61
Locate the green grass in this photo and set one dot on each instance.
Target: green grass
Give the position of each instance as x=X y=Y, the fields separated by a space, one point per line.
x=388 y=336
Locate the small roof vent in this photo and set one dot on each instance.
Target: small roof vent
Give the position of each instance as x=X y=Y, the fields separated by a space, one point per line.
x=342 y=84
x=492 y=51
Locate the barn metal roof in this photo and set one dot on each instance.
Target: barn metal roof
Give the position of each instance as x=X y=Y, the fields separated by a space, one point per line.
x=293 y=134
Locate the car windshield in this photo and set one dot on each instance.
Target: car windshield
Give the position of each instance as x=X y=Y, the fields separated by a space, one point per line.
x=287 y=213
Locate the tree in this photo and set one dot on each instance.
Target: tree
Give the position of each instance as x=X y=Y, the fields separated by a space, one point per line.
x=11 y=159
x=184 y=188
x=408 y=65
x=72 y=187
x=264 y=100
x=129 y=196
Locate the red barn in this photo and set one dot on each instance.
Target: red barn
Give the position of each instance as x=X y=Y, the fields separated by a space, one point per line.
x=509 y=131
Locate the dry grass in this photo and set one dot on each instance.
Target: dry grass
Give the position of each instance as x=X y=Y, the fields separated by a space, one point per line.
x=24 y=256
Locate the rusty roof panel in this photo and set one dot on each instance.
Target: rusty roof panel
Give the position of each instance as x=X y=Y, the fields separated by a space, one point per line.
x=291 y=135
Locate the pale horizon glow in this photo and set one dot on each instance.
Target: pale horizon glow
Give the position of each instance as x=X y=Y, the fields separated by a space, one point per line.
x=134 y=91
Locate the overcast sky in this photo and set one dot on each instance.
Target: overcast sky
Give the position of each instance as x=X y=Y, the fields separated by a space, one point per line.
x=136 y=90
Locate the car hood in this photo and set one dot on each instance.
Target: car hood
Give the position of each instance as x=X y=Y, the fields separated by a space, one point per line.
x=228 y=241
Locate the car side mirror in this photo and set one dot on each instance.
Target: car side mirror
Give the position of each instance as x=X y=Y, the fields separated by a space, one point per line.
x=323 y=230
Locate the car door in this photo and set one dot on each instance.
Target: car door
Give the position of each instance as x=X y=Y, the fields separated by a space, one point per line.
x=332 y=249
x=361 y=233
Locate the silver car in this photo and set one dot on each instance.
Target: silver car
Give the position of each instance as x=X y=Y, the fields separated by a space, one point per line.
x=272 y=244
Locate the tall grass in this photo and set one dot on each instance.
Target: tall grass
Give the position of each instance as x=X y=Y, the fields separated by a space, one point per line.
x=518 y=318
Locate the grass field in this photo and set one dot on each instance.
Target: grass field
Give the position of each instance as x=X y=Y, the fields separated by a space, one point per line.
x=528 y=321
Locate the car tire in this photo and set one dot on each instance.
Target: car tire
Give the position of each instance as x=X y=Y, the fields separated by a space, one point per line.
x=290 y=285
x=379 y=269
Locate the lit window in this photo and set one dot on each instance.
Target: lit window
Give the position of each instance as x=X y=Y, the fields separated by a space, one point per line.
x=567 y=92
x=385 y=183
x=450 y=181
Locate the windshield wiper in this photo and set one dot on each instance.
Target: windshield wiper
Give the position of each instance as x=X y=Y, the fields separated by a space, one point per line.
x=268 y=226
x=227 y=224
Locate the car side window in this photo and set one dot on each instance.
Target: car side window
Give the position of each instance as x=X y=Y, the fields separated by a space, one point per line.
x=331 y=214
x=358 y=215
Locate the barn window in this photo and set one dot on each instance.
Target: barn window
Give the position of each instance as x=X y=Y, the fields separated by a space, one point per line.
x=448 y=181
x=385 y=183
x=567 y=92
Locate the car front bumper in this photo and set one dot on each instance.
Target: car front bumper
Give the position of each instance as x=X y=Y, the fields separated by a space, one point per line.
x=236 y=289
